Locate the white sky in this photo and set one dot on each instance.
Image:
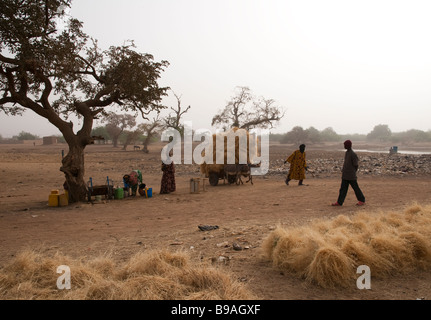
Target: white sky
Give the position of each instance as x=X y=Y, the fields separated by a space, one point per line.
x=349 y=65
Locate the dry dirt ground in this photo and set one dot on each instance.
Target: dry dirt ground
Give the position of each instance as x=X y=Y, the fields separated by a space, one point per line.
x=245 y=214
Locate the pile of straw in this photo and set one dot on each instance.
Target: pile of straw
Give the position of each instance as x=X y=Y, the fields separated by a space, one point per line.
x=328 y=252
x=153 y=275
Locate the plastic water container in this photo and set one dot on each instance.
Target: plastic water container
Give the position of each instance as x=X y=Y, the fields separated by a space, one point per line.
x=119 y=193
x=149 y=192
x=53 y=198
x=63 y=200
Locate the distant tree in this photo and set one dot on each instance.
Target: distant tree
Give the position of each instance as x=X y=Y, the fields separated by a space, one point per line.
x=380 y=132
x=101 y=131
x=130 y=137
x=246 y=112
x=412 y=135
x=117 y=123
x=296 y=136
x=276 y=137
x=26 y=136
x=353 y=137
x=313 y=135
x=174 y=120
x=329 y=134
x=37 y=61
x=150 y=129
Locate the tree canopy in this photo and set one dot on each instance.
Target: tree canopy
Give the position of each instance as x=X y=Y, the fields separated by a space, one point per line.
x=58 y=73
x=247 y=112
x=380 y=132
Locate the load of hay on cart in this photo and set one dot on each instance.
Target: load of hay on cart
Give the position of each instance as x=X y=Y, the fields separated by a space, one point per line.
x=216 y=171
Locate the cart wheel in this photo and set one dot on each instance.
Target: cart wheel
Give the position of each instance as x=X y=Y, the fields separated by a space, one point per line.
x=213 y=178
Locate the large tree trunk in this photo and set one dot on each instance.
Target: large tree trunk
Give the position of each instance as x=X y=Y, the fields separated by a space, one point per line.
x=73 y=163
x=73 y=168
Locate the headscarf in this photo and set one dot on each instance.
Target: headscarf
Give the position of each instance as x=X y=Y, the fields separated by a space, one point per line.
x=347 y=144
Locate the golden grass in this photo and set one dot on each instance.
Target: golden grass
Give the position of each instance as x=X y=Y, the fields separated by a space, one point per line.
x=328 y=252
x=152 y=275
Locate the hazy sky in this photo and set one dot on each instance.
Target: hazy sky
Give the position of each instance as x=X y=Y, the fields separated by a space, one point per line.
x=349 y=65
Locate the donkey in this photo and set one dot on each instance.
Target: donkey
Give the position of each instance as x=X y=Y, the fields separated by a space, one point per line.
x=233 y=173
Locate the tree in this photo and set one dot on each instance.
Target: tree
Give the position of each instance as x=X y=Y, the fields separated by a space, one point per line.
x=380 y=132
x=101 y=132
x=174 y=121
x=412 y=135
x=130 y=137
x=297 y=136
x=117 y=123
x=26 y=136
x=57 y=73
x=150 y=129
x=246 y=112
x=313 y=135
x=329 y=134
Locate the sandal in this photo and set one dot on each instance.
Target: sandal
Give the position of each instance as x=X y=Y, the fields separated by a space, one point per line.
x=207 y=228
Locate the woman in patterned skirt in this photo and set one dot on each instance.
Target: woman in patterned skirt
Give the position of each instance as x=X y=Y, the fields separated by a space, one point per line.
x=168 y=178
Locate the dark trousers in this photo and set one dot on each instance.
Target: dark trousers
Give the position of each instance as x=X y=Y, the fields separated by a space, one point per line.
x=345 y=186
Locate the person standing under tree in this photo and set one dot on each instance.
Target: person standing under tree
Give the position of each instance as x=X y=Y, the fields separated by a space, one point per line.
x=298 y=165
x=349 y=177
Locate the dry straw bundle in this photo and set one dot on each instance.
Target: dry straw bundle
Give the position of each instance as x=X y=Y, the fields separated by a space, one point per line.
x=214 y=167
x=328 y=252
x=152 y=275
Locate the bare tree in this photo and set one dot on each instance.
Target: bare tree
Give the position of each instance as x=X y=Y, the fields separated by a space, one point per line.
x=246 y=112
x=174 y=120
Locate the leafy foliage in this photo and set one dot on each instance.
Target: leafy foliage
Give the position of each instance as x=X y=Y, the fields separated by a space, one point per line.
x=57 y=72
x=26 y=136
x=38 y=61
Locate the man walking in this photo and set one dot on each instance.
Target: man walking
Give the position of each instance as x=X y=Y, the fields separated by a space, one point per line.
x=298 y=166
x=350 y=167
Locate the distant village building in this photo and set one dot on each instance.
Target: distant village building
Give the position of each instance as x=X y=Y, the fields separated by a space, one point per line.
x=49 y=140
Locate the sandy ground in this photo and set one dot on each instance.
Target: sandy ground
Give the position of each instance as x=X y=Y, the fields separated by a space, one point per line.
x=245 y=214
